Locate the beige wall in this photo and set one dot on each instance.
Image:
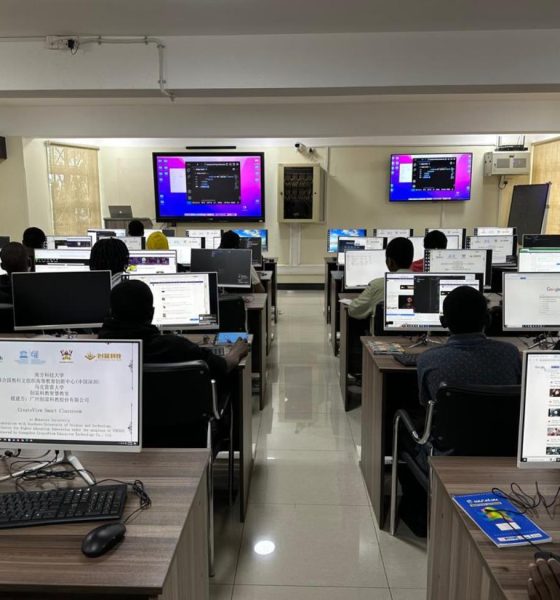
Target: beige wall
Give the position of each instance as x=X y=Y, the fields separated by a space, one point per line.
x=13 y=193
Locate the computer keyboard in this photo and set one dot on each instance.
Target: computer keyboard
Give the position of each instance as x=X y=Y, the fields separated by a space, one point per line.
x=408 y=359
x=218 y=350
x=47 y=507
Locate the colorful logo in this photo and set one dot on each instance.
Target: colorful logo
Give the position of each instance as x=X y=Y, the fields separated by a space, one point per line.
x=90 y=356
x=66 y=355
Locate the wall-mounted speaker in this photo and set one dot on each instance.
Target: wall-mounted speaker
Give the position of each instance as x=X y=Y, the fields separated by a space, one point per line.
x=300 y=193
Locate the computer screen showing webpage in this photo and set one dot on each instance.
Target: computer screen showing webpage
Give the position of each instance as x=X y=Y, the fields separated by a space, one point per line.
x=203 y=233
x=535 y=260
x=358 y=243
x=66 y=394
x=147 y=262
x=502 y=246
x=132 y=242
x=97 y=234
x=459 y=261
x=393 y=233
x=460 y=233
x=67 y=259
x=362 y=266
x=415 y=300
x=494 y=231
x=531 y=301
x=183 y=247
x=540 y=425
x=55 y=242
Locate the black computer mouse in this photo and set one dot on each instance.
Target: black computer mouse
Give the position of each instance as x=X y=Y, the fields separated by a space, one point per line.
x=102 y=539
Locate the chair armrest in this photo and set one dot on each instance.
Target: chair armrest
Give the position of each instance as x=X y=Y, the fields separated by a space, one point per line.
x=215 y=407
x=401 y=416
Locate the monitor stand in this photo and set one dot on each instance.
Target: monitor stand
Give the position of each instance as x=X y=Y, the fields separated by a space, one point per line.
x=542 y=340
x=65 y=456
x=424 y=340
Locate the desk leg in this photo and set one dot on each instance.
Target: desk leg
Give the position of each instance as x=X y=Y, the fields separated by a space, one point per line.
x=327 y=295
x=343 y=354
x=245 y=435
x=256 y=320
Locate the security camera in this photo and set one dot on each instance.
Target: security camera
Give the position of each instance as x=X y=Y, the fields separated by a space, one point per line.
x=304 y=149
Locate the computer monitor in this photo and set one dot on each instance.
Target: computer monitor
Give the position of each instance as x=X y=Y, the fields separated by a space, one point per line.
x=97 y=234
x=453 y=243
x=151 y=262
x=53 y=261
x=133 y=242
x=358 y=243
x=539 y=260
x=531 y=301
x=393 y=233
x=71 y=394
x=211 y=243
x=148 y=232
x=183 y=247
x=233 y=266
x=334 y=234
x=461 y=233
x=253 y=244
x=4 y=239
x=541 y=240
x=414 y=301
x=494 y=231
x=539 y=422
x=502 y=246
x=70 y=300
x=252 y=233
x=203 y=233
x=185 y=301
x=459 y=261
x=61 y=242
x=120 y=212
x=362 y=266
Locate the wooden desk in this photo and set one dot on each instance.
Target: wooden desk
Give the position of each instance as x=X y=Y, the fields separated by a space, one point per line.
x=330 y=265
x=270 y=263
x=336 y=287
x=164 y=554
x=266 y=280
x=256 y=323
x=344 y=346
x=462 y=562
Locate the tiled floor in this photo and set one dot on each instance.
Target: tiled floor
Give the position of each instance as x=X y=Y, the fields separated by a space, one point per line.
x=308 y=504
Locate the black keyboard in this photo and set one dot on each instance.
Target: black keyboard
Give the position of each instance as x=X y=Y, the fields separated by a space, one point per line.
x=47 y=507
x=408 y=359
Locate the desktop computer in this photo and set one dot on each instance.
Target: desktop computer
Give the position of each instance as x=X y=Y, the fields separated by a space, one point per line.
x=255 y=233
x=56 y=242
x=362 y=266
x=334 y=234
x=68 y=259
x=233 y=266
x=494 y=231
x=254 y=244
x=459 y=261
x=357 y=243
x=184 y=301
x=540 y=240
x=539 y=260
x=502 y=246
x=64 y=300
x=98 y=234
x=146 y=262
x=461 y=233
x=393 y=233
x=183 y=247
x=135 y=242
x=211 y=238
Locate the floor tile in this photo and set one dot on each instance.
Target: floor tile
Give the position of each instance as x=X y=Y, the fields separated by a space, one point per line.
x=220 y=592
x=290 y=399
x=313 y=546
x=403 y=594
x=258 y=592
x=227 y=535
x=405 y=559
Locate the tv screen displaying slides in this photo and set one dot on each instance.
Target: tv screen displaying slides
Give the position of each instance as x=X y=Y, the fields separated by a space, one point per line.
x=209 y=187
x=417 y=177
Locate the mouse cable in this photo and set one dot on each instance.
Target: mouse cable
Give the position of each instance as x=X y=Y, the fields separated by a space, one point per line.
x=138 y=489
x=526 y=502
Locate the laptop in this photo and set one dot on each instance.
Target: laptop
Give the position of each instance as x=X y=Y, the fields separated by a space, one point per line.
x=120 y=212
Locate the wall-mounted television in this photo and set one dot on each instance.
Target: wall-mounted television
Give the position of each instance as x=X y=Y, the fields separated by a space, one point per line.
x=430 y=177
x=203 y=187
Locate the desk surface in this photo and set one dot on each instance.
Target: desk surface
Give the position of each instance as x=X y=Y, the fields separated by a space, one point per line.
x=463 y=475
x=49 y=558
x=255 y=301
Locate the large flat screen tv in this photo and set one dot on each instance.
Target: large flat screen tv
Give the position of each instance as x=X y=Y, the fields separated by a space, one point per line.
x=199 y=187
x=430 y=177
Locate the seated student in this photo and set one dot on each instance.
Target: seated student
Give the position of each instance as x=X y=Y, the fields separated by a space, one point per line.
x=13 y=259
x=230 y=240
x=157 y=241
x=34 y=238
x=132 y=310
x=433 y=240
x=109 y=254
x=398 y=257
x=135 y=228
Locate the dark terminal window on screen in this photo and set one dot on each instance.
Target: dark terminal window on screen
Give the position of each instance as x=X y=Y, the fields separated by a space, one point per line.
x=434 y=173
x=213 y=182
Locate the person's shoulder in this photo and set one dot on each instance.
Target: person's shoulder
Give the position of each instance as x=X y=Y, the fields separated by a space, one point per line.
x=502 y=345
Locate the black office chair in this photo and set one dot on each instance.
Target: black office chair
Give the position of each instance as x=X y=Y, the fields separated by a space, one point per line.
x=180 y=410
x=473 y=420
x=233 y=314
x=379 y=321
x=6 y=318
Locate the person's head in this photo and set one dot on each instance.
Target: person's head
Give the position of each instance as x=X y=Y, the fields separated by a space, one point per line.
x=157 y=241
x=136 y=228
x=109 y=254
x=435 y=240
x=13 y=258
x=465 y=311
x=33 y=237
x=230 y=240
x=399 y=254
x=132 y=302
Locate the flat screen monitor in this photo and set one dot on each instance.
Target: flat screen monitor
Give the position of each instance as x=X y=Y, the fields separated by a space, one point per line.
x=233 y=266
x=221 y=186
x=183 y=247
x=541 y=240
x=133 y=242
x=151 y=262
x=539 y=423
x=254 y=233
x=211 y=243
x=417 y=177
x=334 y=234
x=531 y=301
x=528 y=207
x=494 y=231
x=97 y=234
x=61 y=242
x=71 y=394
x=185 y=301
x=414 y=301
x=539 y=260
x=70 y=300
x=393 y=233
x=203 y=233
x=502 y=246
x=148 y=232
x=362 y=266
x=461 y=233
x=358 y=243
x=459 y=261
x=52 y=261
x=255 y=246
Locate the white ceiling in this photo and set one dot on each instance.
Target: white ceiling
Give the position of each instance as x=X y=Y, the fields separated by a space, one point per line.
x=230 y=17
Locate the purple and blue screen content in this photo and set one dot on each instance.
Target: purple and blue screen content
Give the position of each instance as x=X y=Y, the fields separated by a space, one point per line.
x=417 y=177
x=205 y=186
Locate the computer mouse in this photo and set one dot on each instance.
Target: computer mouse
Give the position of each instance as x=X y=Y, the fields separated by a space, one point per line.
x=102 y=539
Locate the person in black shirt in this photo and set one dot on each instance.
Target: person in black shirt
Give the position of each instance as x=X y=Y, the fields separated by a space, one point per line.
x=13 y=259
x=136 y=228
x=132 y=311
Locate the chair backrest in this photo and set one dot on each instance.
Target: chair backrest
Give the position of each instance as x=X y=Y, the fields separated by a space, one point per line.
x=379 y=321
x=6 y=318
x=176 y=404
x=481 y=420
x=233 y=314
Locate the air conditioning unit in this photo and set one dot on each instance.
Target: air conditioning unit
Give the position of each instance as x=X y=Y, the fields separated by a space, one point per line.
x=507 y=163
